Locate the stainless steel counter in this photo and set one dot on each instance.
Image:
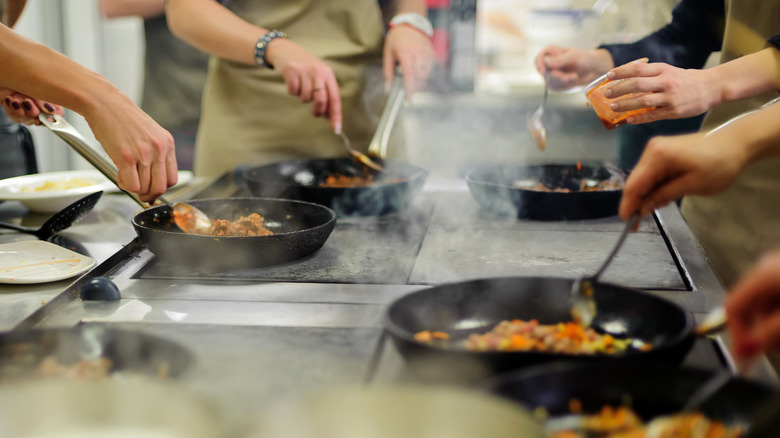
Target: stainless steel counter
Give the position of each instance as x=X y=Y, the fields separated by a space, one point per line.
x=282 y=331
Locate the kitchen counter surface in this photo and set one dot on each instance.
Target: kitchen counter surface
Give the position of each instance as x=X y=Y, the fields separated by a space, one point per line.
x=281 y=333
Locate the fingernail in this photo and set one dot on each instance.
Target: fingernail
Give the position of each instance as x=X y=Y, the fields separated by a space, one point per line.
x=610 y=74
x=338 y=128
x=608 y=93
x=7 y=100
x=27 y=105
x=613 y=106
x=630 y=120
x=15 y=105
x=48 y=107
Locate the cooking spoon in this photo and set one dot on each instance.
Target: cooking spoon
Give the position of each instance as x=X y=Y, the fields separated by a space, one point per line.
x=534 y=120
x=584 y=308
x=360 y=156
x=60 y=220
x=188 y=218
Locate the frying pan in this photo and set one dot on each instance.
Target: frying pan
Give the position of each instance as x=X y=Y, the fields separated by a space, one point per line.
x=652 y=390
x=476 y=306
x=130 y=352
x=506 y=190
x=392 y=191
x=300 y=228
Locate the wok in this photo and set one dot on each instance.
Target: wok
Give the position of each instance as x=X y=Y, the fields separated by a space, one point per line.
x=652 y=390
x=300 y=228
x=476 y=306
x=130 y=352
x=506 y=190
x=392 y=191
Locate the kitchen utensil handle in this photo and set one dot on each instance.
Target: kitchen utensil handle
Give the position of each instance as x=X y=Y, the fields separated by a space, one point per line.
x=15 y=227
x=628 y=227
x=378 y=145
x=58 y=125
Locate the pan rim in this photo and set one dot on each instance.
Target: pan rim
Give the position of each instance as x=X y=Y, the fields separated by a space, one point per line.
x=471 y=179
x=419 y=172
x=686 y=333
x=331 y=220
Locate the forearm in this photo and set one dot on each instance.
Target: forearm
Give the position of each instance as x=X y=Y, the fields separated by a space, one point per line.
x=214 y=29
x=132 y=8
x=409 y=6
x=747 y=76
x=48 y=75
x=757 y=134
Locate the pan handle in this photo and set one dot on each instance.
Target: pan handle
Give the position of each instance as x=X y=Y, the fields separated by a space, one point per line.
x=58 y=125
x=378 y=145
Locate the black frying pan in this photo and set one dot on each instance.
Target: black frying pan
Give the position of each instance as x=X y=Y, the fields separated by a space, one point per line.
x=506 y=190
x=300 y=228
x=392 y=191
x=476 y=306
x=130 y=352
x=651 y=390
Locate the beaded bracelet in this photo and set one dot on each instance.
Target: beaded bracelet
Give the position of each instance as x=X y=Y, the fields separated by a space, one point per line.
x=262 y=44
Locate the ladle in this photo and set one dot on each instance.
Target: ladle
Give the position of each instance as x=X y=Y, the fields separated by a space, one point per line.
x=584 y=306
x=188 y=218
x=534 y=120
x=60 y=220
x=360 y=156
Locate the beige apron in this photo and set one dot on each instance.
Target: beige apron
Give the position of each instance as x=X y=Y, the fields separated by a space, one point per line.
x=738 y=225
x=248 y=118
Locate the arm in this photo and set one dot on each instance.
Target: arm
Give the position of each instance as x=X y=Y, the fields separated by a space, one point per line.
x=699 y=164
x=214 y=29
x=696 y=30
x=677 y=93
x=132 y=8
x=141 y=149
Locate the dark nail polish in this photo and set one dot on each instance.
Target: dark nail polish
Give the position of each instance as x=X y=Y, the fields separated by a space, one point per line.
x=15 y=105
x=27 y=105
x=7 y=100
x=48 y=107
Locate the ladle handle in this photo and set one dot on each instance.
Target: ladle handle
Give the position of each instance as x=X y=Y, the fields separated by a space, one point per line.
x=378 y=145
x=627 y=228
x=58 y=125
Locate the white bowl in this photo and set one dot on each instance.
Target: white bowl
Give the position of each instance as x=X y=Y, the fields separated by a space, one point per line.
x=52 y=201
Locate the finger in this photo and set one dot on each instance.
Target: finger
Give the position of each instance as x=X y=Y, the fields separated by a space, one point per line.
x=388 y=66
x=767 y=332
x=754 y=292
x=645 y=101
x=128 y=178
x=293 y=82
x=669 y=191
x=648 y=173
x=48 y=108
x=307 y=87
x=423 y=66
x=635 y=69
x=144 y=179
x=407 y=69
x=31 y=110
x=159 y=178
x=171 y=166
x=320 y=107
x=334 y=104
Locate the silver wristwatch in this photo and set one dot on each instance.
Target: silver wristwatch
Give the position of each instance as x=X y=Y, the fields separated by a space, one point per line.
x=417 y=21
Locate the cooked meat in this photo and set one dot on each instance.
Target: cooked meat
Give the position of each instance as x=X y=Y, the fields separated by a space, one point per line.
x=252 y=225
x=339 y=180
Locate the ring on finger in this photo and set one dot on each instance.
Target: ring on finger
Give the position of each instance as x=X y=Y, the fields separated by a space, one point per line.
x=318 y=88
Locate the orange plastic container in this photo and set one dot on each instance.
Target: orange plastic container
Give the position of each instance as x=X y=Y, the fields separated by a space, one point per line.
x=611 y=119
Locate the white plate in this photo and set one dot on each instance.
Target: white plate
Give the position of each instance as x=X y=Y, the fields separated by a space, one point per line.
x=36 y=261
x=52 y=201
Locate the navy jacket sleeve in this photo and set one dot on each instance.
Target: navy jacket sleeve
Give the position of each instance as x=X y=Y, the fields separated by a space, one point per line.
x=696 y=30
x=775 y=41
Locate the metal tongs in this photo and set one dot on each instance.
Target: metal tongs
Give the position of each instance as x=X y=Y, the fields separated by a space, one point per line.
x=189 y=218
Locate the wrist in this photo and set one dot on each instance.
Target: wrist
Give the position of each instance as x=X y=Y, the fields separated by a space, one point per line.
x=414 y=21
x=602 y=61
x=261 y=47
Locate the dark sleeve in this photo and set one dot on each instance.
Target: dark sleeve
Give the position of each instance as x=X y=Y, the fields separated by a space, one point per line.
x=696 y=30
x=775 y=41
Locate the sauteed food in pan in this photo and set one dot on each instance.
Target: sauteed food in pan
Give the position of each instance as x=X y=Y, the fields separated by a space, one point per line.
x=623 y=422
x=519 y=335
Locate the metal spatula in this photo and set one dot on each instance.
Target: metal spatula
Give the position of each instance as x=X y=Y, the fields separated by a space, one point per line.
x=62 y=219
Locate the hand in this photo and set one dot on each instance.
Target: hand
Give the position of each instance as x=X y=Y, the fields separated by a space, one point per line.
x=411 y=49
x=25 y=109
x=674 y=92
x=307 y=77
x=671 y=167
x=569 y=67
x=753 y=308
x=142 y=150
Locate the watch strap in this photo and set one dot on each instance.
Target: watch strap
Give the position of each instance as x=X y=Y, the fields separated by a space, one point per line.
x=262 y=45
